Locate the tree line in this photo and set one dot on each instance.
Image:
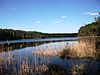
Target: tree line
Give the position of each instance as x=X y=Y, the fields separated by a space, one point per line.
x=10 y=34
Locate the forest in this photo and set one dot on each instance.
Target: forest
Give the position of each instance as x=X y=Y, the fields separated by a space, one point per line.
x=10 y=34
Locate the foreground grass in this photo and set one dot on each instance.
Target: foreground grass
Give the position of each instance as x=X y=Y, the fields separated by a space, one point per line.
x=55 y=70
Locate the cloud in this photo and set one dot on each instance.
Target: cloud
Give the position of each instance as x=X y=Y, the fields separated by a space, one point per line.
x=91 y=13
x=59 y=20
x=37 y=22
x=13 y=8
x=56 y=22
x=63 y=17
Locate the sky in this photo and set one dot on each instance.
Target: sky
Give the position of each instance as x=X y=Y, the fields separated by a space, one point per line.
x=48 y=16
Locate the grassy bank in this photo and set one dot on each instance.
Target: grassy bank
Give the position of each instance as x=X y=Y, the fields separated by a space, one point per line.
x=82 y=49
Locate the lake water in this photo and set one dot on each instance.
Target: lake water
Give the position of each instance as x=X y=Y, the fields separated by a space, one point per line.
x=31 y=54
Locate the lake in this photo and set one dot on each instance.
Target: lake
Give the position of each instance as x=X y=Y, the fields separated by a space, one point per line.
x=26 y=57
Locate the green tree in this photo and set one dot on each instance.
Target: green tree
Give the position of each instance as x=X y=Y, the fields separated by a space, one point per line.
x=92 y=29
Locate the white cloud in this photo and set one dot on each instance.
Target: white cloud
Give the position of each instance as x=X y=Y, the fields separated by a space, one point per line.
x=63 y=17
x=37 y=22
x=13 y=8
x=91 y=13
x=56 y=22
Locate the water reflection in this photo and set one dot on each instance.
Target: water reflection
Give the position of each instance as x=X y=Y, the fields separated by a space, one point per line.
x=13 y=46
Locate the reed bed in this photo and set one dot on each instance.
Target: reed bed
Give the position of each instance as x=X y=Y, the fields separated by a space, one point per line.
x=35 y=64
x=81 y=49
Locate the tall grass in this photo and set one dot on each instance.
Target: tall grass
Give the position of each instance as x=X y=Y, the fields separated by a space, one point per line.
x=35 y=64
x=78 y=70
x=83 y=48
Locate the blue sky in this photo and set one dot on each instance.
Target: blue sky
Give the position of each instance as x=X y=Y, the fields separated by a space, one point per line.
x=49 y=16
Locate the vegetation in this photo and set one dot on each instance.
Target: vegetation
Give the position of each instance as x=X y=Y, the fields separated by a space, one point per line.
x=56 y=70
x=78 y=70
x=81 y=49
x=92 y=29
x=57 y=35
x=10 y=34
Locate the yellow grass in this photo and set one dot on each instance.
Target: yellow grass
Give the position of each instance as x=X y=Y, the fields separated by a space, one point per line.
x=83 y=49
x=80 y=49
